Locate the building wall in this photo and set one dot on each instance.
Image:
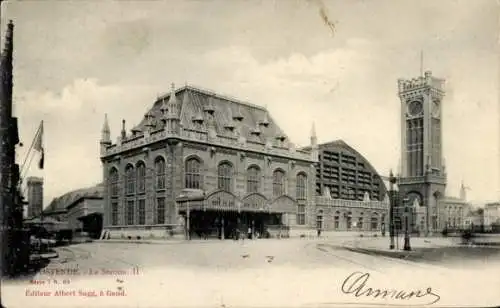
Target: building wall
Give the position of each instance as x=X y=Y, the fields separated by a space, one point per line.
x=491 y=215
x=210 y=156
x=346 y=173
x=81 y=208
x=453 y=214
x=351 y=215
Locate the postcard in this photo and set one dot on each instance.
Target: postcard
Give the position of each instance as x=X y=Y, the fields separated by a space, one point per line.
x=280 y=153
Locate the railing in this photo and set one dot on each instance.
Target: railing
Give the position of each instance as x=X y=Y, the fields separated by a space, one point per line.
x=325 y=201
x=197 y=136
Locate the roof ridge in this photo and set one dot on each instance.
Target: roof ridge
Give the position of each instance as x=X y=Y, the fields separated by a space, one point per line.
x=210 y=92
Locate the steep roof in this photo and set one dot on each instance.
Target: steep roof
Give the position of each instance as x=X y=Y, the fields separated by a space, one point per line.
x=61 y=202
x=194 y=103
x=341 y=144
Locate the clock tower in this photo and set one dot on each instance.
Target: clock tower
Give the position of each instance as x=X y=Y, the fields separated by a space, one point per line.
x=423 y=173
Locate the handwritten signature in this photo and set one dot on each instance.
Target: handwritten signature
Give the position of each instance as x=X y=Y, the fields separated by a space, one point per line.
x=356 y=284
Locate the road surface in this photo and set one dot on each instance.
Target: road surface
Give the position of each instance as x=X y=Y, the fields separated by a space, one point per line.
x=289 y=272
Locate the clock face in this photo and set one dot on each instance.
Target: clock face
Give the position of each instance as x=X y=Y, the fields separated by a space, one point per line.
x=415 y=108
x=435 y=108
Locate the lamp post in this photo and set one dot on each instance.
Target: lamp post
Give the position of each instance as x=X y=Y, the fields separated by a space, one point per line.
x=407 y=246
x=392 y=181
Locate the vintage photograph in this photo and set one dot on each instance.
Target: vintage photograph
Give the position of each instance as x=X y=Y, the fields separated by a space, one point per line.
x=261 y=153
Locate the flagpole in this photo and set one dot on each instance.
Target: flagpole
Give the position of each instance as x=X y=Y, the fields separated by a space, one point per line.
x=31 y=146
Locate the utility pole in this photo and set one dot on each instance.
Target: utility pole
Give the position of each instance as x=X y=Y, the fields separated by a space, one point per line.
x=6 y=151
x=392 y=181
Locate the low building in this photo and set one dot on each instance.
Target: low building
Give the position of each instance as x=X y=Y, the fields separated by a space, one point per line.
x=492 y=216
x=453 y=212
x=81 y=209
x=351 y=215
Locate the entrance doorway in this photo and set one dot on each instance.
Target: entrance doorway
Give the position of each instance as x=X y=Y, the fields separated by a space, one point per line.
x=230 y=224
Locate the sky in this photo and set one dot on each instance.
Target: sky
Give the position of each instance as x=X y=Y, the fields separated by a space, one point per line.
x=77 y=60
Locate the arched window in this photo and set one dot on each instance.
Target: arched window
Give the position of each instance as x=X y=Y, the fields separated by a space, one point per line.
x=360 y=221
x=301 y=188
x=160 y=173
x=141 y=177
x=319 y=220
x=113 y=182
x=278 y=183
x=349 y=220
x=192 y=174
x=225 y=176
x=130 y=179
x=253 y=179
x=374 y=222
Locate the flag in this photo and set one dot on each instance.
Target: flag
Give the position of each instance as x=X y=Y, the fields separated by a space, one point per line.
x=38 y=146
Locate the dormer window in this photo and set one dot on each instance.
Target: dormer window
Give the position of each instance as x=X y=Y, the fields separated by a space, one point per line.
x=238 y=116
x=135 y=131
x=198 y=119
x=209 y=109
x=229 y=127
x=256 y=132
x=264 y=123
x=280 y=138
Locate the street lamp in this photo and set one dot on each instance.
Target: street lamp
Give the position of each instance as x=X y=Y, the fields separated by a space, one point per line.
x=407 y=246
x=392 y=181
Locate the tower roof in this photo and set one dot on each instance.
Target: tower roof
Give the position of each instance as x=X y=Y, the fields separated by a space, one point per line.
x=198 y=102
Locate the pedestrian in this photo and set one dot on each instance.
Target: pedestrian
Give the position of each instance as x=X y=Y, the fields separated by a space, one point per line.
x=319 y=232
x=249 y=233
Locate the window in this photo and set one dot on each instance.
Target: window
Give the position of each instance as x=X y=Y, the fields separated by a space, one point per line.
x=301 y=214
x=130 y=176
x=336 y=220
x=278 y=183
x=192 y=175
x=360 y=222
x=224 y=172
x=349 y=220
x=301 y=186
x=160 y=210
x=319 y=220
x=160 y=173
x=141 y=177
x=130 y=212
x=113 y=182
x=142 y=212
x=253 y=179
x=114 y=213
x=374 y=222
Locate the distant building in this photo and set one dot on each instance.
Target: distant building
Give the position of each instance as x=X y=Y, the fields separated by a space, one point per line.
x=454 y=211
x=35 y=196
x=492 y=216
x=474 y=220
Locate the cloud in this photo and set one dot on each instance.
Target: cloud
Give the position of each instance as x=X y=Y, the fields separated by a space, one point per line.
x=71 y=67
x=72 y=123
